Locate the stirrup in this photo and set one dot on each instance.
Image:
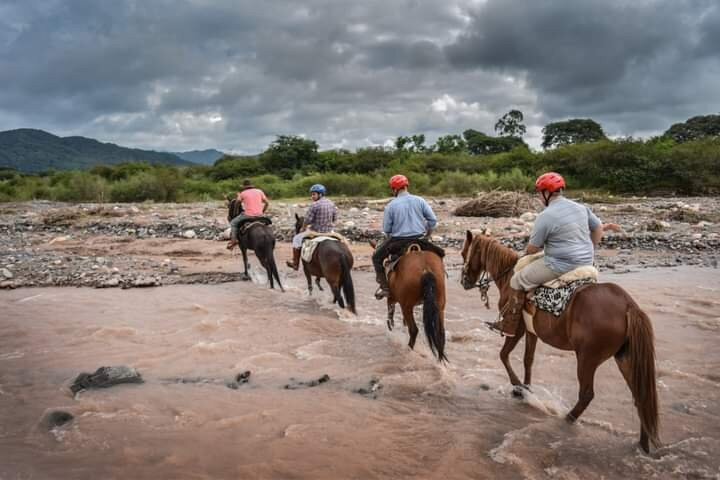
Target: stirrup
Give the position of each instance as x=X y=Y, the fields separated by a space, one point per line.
x=381 y=292
x=494 y=328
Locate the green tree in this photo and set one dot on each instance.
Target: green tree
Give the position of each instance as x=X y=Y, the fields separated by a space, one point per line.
x=413 y=143
x=576 y=130
x=510 y=124
x=480 y=144
x=701 y=126
x=289 y=154
x=450 y=144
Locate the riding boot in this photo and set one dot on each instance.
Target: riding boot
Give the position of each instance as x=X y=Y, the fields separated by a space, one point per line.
x=295 y=264
x=383 y=288
x=511 y=319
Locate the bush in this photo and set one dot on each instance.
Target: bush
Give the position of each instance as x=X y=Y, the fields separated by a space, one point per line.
x=161 y=185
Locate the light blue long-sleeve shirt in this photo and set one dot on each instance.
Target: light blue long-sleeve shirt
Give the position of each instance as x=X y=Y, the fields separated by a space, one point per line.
x=408 y=216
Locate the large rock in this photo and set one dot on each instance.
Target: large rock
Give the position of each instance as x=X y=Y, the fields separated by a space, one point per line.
x=6 y=274
x=189 y=234
x=105 y=377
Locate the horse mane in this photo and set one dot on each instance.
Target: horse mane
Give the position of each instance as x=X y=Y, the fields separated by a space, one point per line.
x=494 y=256
x=234 y=208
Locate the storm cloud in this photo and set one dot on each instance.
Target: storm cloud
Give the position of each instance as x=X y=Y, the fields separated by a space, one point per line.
x=232 y=74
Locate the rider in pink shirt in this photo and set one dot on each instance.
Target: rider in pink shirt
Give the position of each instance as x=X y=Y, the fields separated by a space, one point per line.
x=254 y=203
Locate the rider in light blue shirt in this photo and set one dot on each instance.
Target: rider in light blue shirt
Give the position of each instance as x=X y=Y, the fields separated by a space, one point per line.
x=407 y=218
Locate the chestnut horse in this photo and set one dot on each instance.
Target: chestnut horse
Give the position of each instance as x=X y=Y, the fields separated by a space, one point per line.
x=333 y=261
x=419 y=278
x=260 y=239
x=600 y=321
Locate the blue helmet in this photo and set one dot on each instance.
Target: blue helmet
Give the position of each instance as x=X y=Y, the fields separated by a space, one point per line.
x=318 y=188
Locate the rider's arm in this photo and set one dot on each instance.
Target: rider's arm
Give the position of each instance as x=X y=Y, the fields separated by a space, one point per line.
x=596 y=235
x=596 y=228
x=429 y=217
x=309 y=217
x=388 y=220
x=538 y=236
x=266 y=203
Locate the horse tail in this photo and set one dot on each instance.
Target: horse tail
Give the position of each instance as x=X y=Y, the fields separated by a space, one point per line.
x=273 y=270
x=641 y=346
x=347 y=284
x=434 y=331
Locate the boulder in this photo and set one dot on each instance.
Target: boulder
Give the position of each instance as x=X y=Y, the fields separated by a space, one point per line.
x=105 y=377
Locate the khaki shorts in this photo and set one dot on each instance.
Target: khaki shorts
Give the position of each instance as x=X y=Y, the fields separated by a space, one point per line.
x=533 y=276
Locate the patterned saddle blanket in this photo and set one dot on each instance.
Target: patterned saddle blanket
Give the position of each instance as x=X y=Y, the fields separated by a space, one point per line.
x=554 y=296
x=313 y=239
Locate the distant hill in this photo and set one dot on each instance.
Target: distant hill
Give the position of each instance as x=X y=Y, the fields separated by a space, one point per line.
x=205 y=157
x=30 y=150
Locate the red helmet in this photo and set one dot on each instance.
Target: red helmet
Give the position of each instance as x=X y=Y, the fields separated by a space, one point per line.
x=399 y=181
x=551 y=182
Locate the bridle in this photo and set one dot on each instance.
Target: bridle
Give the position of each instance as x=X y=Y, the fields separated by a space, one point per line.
x=484 y=280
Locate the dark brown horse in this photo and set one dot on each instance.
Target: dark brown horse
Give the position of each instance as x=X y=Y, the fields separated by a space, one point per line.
x=419 y=278
x=333 y=261
x=260 y=239
x=600 y=321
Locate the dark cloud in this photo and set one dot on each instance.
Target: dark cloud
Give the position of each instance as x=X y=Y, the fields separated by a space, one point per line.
x=232 y=74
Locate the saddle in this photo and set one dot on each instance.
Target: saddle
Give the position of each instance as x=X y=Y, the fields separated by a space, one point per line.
x=247 y=223
x=313 y=239
x=553 y=296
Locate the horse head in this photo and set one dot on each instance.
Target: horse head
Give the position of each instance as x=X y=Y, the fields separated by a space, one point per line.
x=234 y=207
x=472 y=258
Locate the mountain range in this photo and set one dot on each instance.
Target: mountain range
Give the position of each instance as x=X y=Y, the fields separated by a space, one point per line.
x=204 y=157
x=31 y=150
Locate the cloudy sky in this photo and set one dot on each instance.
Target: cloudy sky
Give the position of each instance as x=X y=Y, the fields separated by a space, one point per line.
x=233 y=74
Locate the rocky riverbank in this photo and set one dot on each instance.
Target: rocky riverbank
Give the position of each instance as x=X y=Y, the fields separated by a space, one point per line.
x=140 y=245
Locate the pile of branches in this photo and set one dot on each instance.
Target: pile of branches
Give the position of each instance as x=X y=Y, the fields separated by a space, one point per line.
x=496 y=204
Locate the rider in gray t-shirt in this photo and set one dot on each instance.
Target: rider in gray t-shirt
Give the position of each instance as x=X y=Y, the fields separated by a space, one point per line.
x=567 y=231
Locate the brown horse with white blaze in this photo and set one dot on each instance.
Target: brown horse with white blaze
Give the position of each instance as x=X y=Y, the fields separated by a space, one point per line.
x=600 y=321
x=419 y=278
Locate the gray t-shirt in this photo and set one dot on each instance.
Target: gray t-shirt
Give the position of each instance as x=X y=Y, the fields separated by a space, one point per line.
x=563 y=230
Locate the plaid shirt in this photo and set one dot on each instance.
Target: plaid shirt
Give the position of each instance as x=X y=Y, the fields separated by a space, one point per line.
x=321 y=215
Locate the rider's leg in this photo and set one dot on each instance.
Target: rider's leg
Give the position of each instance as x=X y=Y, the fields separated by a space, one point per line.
x=526 y=279
x=381 y=252
x=297 y=249
x=234 y=225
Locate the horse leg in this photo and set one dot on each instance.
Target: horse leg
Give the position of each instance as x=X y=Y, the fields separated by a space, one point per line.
x=337 y=296
x=530 y=344
x=391 y=314
x=245 y=276
x=308 y=277
x=317 y=282
x=409 y=320
x=508 y=347
x=586 y=366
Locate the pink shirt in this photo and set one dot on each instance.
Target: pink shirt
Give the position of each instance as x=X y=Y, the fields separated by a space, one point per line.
x=252 y=201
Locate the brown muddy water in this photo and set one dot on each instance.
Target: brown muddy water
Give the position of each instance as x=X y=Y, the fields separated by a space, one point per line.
x=425 y=421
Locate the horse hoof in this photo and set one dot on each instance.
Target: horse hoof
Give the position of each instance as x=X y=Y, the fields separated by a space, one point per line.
x=245 y=278
x=569 y=418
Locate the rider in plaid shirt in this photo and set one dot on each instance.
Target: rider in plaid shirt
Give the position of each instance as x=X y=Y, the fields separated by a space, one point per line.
x=320 y=217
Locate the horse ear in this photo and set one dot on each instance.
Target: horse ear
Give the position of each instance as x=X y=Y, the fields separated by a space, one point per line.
x=468 y=237
x=297 y=217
